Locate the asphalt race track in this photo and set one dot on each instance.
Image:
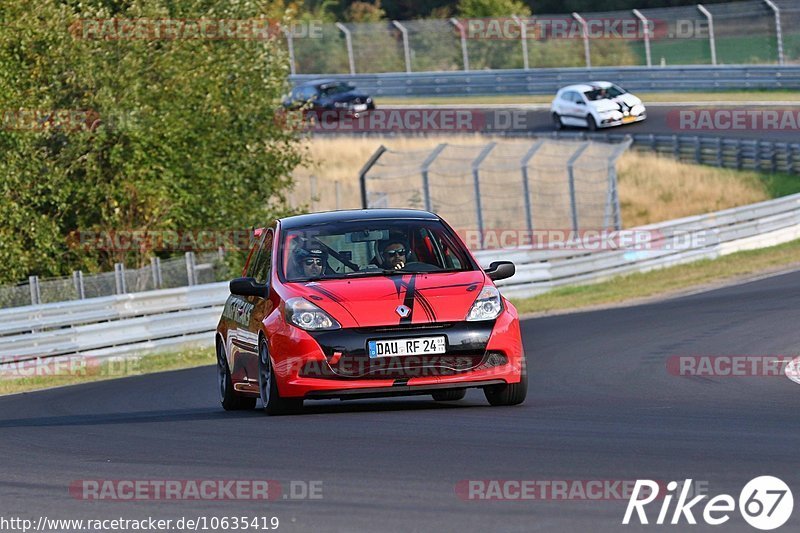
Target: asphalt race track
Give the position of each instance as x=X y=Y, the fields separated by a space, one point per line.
x=662 y=119
x=602 y=406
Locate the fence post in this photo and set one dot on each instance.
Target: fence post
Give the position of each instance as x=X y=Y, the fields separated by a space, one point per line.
x=698 y=152
x=349 y=41
x=36 y=294
x=362 y=174
x=119 y=278
x=290 y=45
x=406 y=48
x=585 y=32
x=571 y=173
x=426 y=189
x=77 y=280
x=523 y=32
x=646 y=28
x=778 y=32
x=476 y=163
x=464 y=54
x=155 y=266
x=526 y=184
x=190 y=269
x=712 y=42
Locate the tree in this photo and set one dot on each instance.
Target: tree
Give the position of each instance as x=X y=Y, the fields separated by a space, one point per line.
x=135 y=133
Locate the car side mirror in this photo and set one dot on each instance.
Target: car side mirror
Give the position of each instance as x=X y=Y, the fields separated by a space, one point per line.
x=500 y=270
x=249 y=287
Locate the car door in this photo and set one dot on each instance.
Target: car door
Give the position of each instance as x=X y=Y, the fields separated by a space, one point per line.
x=248 y=312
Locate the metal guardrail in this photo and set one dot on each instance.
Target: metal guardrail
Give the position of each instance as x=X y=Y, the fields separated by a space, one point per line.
x=713 y=235
x=748 y=154
x=549 y=80
x=172 y=318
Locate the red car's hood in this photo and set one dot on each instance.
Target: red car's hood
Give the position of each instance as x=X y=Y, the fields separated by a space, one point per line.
x=373 y=301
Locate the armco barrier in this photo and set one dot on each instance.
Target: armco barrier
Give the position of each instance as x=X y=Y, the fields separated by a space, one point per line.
x=150 y=321
x=549 y=80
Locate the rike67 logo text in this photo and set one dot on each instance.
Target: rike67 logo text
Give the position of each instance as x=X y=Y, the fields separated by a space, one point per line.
x=765 y=503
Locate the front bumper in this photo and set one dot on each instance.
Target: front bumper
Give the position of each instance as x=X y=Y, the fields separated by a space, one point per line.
x=609 y=123
x=336 y=364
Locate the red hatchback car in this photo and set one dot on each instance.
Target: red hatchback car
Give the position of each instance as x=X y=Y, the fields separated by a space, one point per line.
x=366 y=303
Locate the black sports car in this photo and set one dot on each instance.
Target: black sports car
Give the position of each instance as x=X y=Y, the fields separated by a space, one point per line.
x=330 y=95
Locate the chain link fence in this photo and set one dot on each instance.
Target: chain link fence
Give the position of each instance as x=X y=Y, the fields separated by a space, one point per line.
x=192 y=269
x=748 y=32
x=524 y=185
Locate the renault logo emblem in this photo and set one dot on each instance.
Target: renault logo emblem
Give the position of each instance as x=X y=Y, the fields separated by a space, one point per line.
x=403 y=311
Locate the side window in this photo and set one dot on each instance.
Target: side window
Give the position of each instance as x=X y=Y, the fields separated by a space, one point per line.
x=263 y=262
x=309 y=93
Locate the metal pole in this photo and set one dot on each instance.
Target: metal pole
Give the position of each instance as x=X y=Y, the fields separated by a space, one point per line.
x=460 y=27
x=778 y=31
x=613 y=194
x=525 y=183
x=523 y=33
x=362 y=175
x=349 y=41
x=290 y=44
x=571 y=173
x=190 y=268
x=426 y=191
x=585 y=31
x=477 y=185
x=33 y=285
x=712 y=42
x=646 y=26
x=154 y=272
x=77 y=280
x=119 y=278
x=406 y=48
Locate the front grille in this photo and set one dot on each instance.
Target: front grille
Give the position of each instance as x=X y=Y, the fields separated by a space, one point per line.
x=403 y=327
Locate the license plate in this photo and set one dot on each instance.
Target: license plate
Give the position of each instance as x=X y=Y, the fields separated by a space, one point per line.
x=412 y=346
x=360 y=107
x=625 y=120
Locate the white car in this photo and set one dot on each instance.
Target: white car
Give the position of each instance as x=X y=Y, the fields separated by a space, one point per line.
x=597 y=104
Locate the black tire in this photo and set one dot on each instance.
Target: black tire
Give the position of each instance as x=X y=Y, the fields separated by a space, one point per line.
x=268 y=388
x=557 y=122
x=590 y=123
x=450 y=395
x=227 y=396
x=508 y=394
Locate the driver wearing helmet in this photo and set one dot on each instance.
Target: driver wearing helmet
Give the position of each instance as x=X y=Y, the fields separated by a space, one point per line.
x=311 y=261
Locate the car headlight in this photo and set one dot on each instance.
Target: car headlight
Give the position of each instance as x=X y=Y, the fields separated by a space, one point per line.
x=305 y=315
x=487 y=306
x=638 y=109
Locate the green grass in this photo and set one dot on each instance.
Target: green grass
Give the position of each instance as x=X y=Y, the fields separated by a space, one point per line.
x=69 y=374
x=780 y=184
x=709 y=97
x=665 y=281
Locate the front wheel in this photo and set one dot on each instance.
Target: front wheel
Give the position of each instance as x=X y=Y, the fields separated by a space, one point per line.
x=508 y=394
x=268 y=387
x=227 y=396
x=590 y=123
x=557 y=122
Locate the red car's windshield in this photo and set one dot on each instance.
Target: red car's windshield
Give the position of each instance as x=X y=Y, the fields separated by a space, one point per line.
x=371 y=247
